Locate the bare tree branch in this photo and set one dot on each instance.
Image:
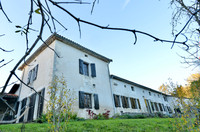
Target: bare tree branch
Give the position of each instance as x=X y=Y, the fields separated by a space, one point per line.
x=29 y=51
x=28 y=86
x=6 y=63
x=193 y=14
x=2 y=60
x=10 y=83
x=6 y=50
x=50 y=48
x=78 y=20
x=1 y=8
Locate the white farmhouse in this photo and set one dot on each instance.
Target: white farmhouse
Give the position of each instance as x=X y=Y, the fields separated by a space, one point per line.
x=87 y=76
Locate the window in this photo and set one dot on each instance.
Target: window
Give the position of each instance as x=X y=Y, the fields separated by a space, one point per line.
x=150 y=93
x=160 y=106
x=125 y=86
x=85 y=100
x=163 y=107
x=117 y=100
x=152 y=106
x=32 y=75
x=133 y=103
x=115 y=84
x=139 y=103
x=84 y=68
x=31 y=107
x=132 y=88
x=23 y=107
x=169 y=109
x=156 y=106
x=40 y=102
x=125 y=102
x=165 y=98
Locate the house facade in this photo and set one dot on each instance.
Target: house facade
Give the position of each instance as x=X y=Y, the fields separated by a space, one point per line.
x=88 y=78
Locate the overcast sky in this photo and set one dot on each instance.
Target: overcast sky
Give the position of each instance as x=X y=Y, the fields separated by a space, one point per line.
x=148 y=63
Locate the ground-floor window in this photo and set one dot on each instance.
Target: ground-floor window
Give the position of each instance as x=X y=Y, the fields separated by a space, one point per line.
x=23 y=107
x=85 y=100
x=139 y=103
x=156 y=106
x=161 y=109
x=40 y=102
x=133 y=103
x=125 y=102
x=31 y=107
x=117 y=100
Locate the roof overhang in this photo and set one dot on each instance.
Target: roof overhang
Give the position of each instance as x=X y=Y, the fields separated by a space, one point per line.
x=135 y=84
x=58 y=37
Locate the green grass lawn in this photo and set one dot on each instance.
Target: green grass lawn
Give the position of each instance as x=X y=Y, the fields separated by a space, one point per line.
x=114 y=125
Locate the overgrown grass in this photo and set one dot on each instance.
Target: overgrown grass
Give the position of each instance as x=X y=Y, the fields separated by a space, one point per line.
x=114 y=125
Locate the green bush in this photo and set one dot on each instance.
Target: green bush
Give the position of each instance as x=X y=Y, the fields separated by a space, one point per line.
x=74 y=117
x=42 y=119
x=99 y=117
x=132 y=116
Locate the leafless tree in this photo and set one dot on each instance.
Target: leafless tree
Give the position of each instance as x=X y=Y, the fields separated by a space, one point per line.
x=189 y=11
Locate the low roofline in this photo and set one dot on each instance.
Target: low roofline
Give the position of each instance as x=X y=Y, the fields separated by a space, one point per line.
x=69 y=42
x=135 y=84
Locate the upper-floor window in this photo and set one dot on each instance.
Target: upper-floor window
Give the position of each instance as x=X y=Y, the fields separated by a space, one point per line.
x=150 y=93
x=165 y=98
x=132 y=88
x=32 y=75
x=115 y=84
x=84 y=68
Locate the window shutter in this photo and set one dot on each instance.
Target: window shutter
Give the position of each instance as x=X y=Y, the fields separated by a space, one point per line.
x=35 y=72
x=32 y=75
x=139 y=103
x=93 y=70
x=81 y=99
x=96 y=101
x=40 y=102
x=29 y=77
x=123 y=103
x=118 y=100
x=80 y=66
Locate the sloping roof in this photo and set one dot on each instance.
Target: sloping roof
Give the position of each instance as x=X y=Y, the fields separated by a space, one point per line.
x=71 y=43
x=7 y=95
x=135 y=84
x=14 y=89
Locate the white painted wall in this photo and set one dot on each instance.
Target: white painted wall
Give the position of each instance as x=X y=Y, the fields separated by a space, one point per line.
x=68 y=66
x=124 y=89
x=44 y=76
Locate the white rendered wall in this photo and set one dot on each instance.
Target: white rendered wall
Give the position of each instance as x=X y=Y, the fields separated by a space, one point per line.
x=68 y=66
x=44 y=76
x=124 y=89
